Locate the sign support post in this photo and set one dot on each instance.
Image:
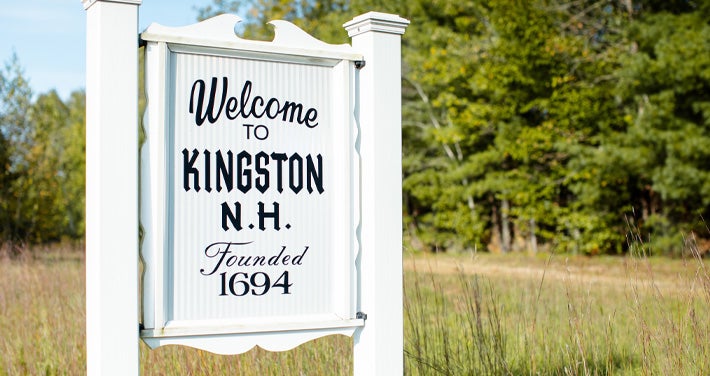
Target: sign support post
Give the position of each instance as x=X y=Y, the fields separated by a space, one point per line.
x=112 y=187
x=378 y=348
x=370 y=271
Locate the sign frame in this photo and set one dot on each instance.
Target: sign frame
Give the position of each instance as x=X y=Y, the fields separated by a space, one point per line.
x=216 y=37
x=112 y=202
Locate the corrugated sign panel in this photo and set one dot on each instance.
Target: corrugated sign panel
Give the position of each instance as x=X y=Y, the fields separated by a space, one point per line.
x=249 y=199
x=253 y=180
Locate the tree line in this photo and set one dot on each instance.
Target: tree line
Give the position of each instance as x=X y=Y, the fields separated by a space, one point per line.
x=540 y=125
x=557 y=125
x=42 y=157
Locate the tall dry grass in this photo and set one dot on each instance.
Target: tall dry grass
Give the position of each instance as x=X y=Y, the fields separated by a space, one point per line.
x=42 y=328
x=42 y=311
x=464 y=315
x=325 y=356
x=503 y=315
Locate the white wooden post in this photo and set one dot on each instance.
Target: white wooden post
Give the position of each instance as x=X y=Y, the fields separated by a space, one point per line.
x=112 y=187
x=378 y=348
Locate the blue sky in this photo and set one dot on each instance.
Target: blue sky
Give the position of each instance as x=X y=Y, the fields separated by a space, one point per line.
x=49 y=36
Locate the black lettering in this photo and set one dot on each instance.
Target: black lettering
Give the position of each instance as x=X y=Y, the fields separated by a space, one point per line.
x=231 y=110
x=298 y=259
x=244 y=261
x=225 y=173
x=208 y=112
x=204 y=105
x=279 y=158
x=262 y=182
x=253 y=107
x=189 y=169
x=234 y=217
x=259 y=261
x=274 y=260
x=314 y=175
x=252 y=171
x=311 y=115
x=291 y=107
x=208 y=183
x=295 y=170
x=268 y=108
x=243 y=173
x=273 y=215
x=246 y=93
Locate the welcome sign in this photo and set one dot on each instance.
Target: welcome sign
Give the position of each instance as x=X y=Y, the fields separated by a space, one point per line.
x=249 y=188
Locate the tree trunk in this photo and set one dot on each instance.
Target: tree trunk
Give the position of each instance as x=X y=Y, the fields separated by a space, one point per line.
x=533 y=237
x=505 y=236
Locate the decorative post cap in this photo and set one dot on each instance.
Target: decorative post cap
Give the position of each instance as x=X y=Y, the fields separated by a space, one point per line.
x=88 y=3
x=375 y=21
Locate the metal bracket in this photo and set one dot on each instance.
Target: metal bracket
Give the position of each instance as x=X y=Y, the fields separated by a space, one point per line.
x=361 y=315
x=359 y=64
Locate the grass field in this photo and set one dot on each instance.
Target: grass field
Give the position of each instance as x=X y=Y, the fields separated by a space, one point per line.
x=493 y=314
x=464 y=315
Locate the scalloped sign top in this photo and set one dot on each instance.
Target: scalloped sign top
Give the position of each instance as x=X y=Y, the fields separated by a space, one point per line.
x=219 y=32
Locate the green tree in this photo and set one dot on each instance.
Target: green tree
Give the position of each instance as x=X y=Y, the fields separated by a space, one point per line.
x=665 y=86
x=41 y=160
x=73 y=164
x=15 y=105
x=541 y=123
x=520 y=88
x=321 y=18
x=43 y=202
x=53 y=187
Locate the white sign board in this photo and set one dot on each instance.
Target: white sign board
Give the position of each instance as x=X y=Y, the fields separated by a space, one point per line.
x=249 y=188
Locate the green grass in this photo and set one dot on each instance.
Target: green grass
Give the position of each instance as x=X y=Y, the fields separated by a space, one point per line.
x=464 y=315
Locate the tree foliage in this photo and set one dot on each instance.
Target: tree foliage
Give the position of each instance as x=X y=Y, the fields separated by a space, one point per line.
x=42 y=160
x=543 y=124
x=528 y=125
